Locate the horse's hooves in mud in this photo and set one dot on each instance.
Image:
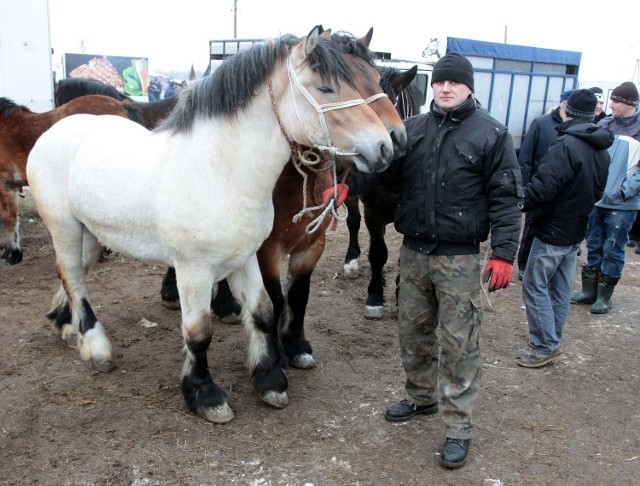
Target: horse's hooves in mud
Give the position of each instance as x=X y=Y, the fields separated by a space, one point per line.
x=276 y=399
x=218 y=415
x=103 y=365
x=303 y=361
x=69 y=336
x=351 y=269
x=374 y=312
x=11 y=257
x=171 y=304
x=230 y=319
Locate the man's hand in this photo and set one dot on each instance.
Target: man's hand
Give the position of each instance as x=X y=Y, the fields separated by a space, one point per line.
x=328 y=195
x=498 y=274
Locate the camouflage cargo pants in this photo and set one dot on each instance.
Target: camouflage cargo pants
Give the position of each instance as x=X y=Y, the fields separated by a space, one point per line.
x=445 y=290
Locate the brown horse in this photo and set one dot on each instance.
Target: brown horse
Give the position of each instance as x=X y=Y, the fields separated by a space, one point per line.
x=19 y=130
x=295 y=239
x=149 y=114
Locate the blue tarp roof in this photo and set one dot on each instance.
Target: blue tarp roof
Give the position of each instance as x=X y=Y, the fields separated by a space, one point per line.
x=495 y=50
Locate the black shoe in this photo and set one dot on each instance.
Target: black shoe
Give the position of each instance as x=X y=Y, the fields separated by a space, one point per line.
x=454 y=452
x=405 y=410
x=632 y=242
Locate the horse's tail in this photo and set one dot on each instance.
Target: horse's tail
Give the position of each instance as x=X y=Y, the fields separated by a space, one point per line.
x=133 y=111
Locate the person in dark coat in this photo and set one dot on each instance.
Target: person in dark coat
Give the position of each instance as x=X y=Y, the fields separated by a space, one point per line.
x=539 y=137
x=459 y=182
x=560 y=197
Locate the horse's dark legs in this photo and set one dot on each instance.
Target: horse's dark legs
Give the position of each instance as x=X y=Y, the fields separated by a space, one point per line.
x=224 y=304
x=353 y=225
x=266 y=360
x=12 y=253
x=378 y=255
x=169 y=290
x=296 y=347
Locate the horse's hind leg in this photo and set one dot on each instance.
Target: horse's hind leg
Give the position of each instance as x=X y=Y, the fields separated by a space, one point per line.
x=12 y=253
x=301 y=266
x=224 y=304
x=265 y=359
x=76 y=252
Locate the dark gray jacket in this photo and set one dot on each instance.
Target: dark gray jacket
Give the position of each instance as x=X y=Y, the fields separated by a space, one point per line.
x=459 y=181
x=570 y=179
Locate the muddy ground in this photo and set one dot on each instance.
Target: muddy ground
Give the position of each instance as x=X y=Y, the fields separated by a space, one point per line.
x=576 y=422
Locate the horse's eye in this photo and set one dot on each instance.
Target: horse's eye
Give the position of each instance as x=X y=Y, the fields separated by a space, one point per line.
x=326 y=90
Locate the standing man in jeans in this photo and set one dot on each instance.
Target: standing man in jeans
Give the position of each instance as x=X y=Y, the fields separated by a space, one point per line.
x=614 y=215
x=460 y=181
x=570 y=179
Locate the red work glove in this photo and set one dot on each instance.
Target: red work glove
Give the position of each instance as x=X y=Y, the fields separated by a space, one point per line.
x=328 y=196
x=498 y=274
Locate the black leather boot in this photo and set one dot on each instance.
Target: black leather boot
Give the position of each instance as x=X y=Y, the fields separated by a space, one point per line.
x=406 y=410
x=454 y=452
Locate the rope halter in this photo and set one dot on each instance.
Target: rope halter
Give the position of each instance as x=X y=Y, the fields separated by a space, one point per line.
x=294 y=80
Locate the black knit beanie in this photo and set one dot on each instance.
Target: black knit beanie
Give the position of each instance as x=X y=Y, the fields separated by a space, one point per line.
x=626 y=93
x=581 y=104
x=453 y=67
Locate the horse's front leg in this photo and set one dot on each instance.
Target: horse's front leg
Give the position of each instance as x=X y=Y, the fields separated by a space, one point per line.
x=12 y=253
x=201 y=395
x=353 y=225
x=265 y=359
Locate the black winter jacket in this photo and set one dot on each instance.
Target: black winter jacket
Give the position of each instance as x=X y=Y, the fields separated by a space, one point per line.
x=539 y=137
x=570 y=179
x=459 y=180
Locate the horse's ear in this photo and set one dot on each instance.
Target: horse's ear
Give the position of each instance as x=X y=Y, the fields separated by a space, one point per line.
x=366 y=40
x=313 y=39
x=403 y=80
x=326 y=34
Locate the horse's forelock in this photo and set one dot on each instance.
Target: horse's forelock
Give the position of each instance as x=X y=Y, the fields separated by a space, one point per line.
x=327 y=59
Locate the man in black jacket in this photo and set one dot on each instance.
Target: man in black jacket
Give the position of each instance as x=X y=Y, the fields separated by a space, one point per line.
x=539 y=137
x=459 y=180
x=561 y=195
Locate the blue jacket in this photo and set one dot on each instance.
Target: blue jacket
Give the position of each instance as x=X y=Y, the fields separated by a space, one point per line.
x=623 y=183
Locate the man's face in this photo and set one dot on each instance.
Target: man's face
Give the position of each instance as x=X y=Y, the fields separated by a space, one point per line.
x=449 y=94
x=621 y=109
x=599 y=107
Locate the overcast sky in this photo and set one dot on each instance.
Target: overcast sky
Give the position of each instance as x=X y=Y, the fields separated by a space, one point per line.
x=174 y=35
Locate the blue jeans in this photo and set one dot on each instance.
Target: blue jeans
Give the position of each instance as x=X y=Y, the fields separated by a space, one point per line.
x=546 y=290
x=606 y=239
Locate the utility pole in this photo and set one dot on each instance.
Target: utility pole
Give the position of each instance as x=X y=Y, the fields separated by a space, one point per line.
x=636 y=72
x=235 y=19
x=505 y=34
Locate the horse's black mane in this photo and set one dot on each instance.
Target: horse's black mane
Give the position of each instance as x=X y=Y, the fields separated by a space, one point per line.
x=70 y=88
x=232 y=85
x=8 y=107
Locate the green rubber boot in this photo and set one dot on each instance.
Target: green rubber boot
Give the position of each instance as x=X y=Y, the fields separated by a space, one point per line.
x=589 y=292
x=606 y=285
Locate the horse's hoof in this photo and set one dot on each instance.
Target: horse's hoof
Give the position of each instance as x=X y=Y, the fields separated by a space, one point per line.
x=11 y=257
x=69 y=336
x=218 y=415
x=230 y=319
x=351 y=269
x=374 y=312
x=171 y=304
x=103 y=365
x=303 y=361
x=275 y=399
